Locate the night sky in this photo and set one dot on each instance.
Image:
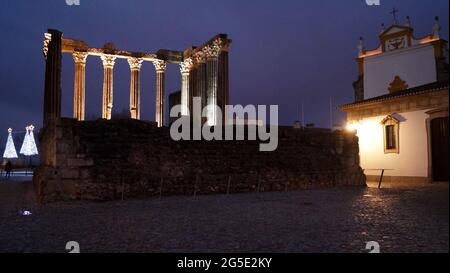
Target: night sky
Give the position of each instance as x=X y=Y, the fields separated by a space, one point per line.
x=283 y=52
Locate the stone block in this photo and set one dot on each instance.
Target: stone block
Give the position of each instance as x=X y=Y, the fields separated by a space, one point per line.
x=69 y=188
x=80 y=162
x=70 y=173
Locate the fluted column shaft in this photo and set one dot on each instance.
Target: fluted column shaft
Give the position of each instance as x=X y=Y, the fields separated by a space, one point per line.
x=108 y=71
x=211 y=99
x=223 y=89
x=192 y=86
x=212 y=53
x=185 y=104
x=160 y=67
x=201 y=79
x=135 y=87
x=79 y=85
x=185 y=68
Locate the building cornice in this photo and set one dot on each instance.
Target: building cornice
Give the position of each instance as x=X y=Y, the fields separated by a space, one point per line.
x=418 y=98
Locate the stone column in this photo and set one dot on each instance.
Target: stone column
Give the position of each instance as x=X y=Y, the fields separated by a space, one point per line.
x=79 y=84
x=192 y=85
x=135 y=87
x=201 y=77
x=53 y=56
x=185 y=68
x=212 y=68
x=52 y=100
x=223 y=97
x=160 y=67
x=108 y=71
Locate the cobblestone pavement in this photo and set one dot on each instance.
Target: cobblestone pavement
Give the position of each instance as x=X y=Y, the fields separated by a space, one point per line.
x=406 y=219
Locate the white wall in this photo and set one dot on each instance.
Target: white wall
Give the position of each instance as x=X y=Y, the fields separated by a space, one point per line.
x=413 y=157
x=415 y=65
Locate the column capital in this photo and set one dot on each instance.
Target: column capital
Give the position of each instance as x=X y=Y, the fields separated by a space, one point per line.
x=199 y=57
x=79 y=57
x=135 y=63
x=185 y=66
x=47 y=40
x=213 y=50
x=108 y=60
x=160 y=65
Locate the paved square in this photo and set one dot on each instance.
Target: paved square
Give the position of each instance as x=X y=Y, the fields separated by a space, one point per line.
x=400 y=219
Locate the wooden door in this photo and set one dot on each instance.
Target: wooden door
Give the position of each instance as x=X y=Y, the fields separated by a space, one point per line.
x=439 y=146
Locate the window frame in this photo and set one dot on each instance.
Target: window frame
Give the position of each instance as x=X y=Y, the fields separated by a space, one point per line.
x=387 y=122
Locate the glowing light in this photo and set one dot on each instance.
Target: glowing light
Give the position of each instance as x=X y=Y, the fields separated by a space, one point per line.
x=29 y=145
x=25 y=146
x=25 y=212
x=10 y=151
x=428 y=39
x=368 y=131
x=352 y=127
x=369 y=53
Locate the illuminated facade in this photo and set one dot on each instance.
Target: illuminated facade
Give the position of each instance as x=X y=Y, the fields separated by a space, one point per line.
x=400 y=111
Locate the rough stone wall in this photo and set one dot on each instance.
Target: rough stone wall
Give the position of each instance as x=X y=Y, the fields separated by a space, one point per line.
x=107 y=160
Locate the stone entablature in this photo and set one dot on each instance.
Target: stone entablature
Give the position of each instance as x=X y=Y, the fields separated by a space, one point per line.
x=71 y=45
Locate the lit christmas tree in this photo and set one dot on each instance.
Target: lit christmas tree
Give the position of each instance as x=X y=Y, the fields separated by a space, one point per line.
x=32 y=143
x=29 y=145
x=10 y=151
x=24 y=147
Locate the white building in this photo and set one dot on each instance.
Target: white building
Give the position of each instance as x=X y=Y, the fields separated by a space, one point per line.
x=400 y=111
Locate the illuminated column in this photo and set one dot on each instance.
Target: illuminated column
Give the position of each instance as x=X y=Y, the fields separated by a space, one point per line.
x=185 y=68
x=135 y=87
x=201 y=77
x=79 y=84
x=192 y=85
x=212 y=68
x=108 y=71
x=160 y=67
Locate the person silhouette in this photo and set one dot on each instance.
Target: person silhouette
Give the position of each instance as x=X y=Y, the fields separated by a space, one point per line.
x=8 y=169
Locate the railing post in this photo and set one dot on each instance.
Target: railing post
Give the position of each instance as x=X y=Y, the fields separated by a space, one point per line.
x=381 y=179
